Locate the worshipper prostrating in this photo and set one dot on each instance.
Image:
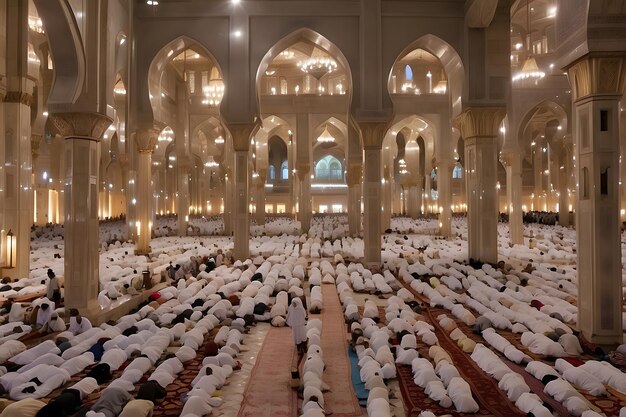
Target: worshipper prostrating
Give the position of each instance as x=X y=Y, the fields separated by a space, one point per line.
x=296 y=319
x=78 y=324
x=23 y=408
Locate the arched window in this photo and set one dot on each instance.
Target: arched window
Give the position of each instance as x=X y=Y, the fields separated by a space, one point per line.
x=408 y=73
x=457 y=172
x=329 y=168
x=284 y=170
x=271 y=172
x=283 y=85
x=334 y=170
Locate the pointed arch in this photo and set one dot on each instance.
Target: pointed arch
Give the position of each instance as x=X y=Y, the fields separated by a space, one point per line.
x=66 y=46
x=451 y=62
x=164 y=56
x=304 y=34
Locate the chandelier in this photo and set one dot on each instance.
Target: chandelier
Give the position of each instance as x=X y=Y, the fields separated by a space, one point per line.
x=167 y=135
x=402 y=166
x=219 y=140
x=210 y=163
x=318 y=65
x=530 y=70
x=214 y=92
x=325 y=137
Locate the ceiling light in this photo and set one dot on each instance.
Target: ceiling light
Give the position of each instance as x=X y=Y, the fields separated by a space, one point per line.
x=518 y=46
x=318 y=64
x=236 y=1
x=237 y=33
x=325 y=137
x=551 y=12
x=152 y=2
x=219 y=140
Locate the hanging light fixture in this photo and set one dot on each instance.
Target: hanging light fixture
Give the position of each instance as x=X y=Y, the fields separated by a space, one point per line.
x=211 y=163
x=530 y=70
x=325 y=137
x=214 y=92
x=318 y=64
x=219 y=140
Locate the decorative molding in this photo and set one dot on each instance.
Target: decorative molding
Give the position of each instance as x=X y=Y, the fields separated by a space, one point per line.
x=354 y=175
x=479 y=121
x=79 y=125
x=373 y=134
x=598 y=74
x=146 y=140
x=35 y=141
x=19 y=97
x=241 y=133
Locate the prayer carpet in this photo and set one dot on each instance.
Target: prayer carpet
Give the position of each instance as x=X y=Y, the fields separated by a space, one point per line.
x=268 y=392
x=341 y=400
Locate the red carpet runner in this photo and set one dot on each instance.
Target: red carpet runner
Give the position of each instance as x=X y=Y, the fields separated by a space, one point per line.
x=268 y=393
x=341 y=399
x=484 y=388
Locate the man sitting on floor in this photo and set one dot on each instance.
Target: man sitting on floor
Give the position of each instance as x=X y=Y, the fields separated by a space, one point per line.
x=78 y=324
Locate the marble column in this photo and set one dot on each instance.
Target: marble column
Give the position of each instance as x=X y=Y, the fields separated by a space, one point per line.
x=354 y=181
x=413 y=199
x=240 y=215
x=260 y=197
x=304 y=198
x=373 y=134
x=512 y=161
x=563 y=186
x=18 y=194
x=444 y=196
x=182 y=195
x=479 y=129
x=386 y=203
x=538 y=171
x=227 y=202
x=599 y=84
x=146 y=140
x=82 y=133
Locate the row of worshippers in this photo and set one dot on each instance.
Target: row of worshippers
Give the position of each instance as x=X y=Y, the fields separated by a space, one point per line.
x=556 y=342
x=114 y=398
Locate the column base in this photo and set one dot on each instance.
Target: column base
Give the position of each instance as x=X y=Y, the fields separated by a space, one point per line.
x=93 y=311
x=141 y=252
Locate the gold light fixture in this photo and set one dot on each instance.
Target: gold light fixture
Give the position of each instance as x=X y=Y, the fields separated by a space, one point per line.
x=318 y=65
x=325 y=137
x=11 y=249
x=530 y=69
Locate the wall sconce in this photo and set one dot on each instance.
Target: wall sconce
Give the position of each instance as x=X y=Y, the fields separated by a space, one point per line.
x=11 y=249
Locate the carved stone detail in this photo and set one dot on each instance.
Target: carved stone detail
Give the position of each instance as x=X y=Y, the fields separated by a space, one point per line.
x=354 y=174
x=35 y=141
x=241 y=133
x=373 y=134
x=19 y=97
x=82 y=125
x=479 y=121
x=598 y=74
x=146 y=140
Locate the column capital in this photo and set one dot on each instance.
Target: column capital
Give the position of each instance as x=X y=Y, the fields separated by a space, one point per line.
x=146 y=139
x=18 y=97
x=353 y=176
x=598 y=74
x=82 y=125
x=241 y=133
x=479 y=121
x=373 y=133
x=510 y=157
x=302 y=169
x=35 y=141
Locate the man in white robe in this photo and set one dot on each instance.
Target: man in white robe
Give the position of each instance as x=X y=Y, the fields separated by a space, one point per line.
x=296 y=319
